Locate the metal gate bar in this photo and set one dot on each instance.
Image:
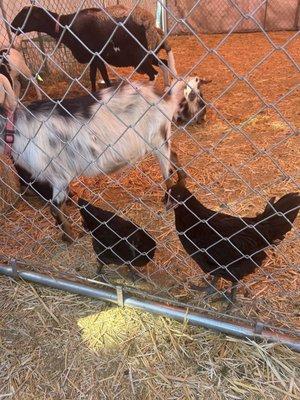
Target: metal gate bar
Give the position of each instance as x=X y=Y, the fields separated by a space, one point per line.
x=181 y=314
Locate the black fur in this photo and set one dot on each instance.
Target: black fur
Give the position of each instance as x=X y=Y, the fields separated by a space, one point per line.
x=40 y=189
x=67 y=108
x=94 y=152
x=94 y=33
x=53 y=142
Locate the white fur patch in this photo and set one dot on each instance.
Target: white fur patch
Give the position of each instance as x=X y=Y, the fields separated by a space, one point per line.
x=19 y=67
x=192 y=84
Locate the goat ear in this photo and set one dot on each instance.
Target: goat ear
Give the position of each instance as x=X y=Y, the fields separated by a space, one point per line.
x=205 y=81
x=10 y=100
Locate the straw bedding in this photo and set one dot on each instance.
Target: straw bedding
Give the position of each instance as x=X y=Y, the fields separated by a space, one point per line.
x=9 y=185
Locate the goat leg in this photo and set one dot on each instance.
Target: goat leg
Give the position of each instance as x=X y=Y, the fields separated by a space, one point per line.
x=146 y=67
x=93 y=73
x=103 y=71
x=233 y=292
x=181 y=175
x=61 y=220
x=163 y=65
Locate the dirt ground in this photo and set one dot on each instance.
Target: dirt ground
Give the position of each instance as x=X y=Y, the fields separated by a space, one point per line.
x=60 y=346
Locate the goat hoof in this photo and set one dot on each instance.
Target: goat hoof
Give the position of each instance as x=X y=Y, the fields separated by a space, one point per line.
x=81 y=234
x=68 y=238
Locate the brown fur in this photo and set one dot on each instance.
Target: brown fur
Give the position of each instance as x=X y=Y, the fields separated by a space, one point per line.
x=141 y=17
x=164 y=43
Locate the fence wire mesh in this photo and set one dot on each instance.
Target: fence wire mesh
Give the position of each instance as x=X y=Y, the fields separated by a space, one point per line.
x=245 y=153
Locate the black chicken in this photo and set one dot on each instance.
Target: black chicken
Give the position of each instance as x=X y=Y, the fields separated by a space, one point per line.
x=116 y=240
x=227 y=246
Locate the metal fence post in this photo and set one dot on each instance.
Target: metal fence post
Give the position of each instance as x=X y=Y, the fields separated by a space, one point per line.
x=165 y=16
x=161 y=15
x=265 y=15
x=297 y=16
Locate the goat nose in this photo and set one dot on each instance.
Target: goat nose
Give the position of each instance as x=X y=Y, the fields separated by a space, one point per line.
x=192 y=96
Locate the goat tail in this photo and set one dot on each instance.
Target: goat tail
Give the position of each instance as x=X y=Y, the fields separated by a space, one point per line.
x=279 y=216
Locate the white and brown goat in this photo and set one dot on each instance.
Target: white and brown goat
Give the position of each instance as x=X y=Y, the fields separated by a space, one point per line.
x=192 y=106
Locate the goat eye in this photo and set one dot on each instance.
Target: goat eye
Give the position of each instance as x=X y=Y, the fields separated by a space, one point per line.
x=197 y=79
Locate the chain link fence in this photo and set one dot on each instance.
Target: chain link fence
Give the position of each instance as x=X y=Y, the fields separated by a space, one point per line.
x=221 y=16
x=183 y=17
x=217 y=16
x=243 y=155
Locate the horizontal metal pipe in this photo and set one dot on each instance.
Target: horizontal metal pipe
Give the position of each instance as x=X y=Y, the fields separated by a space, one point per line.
x=178 y=313
x=62 y=284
